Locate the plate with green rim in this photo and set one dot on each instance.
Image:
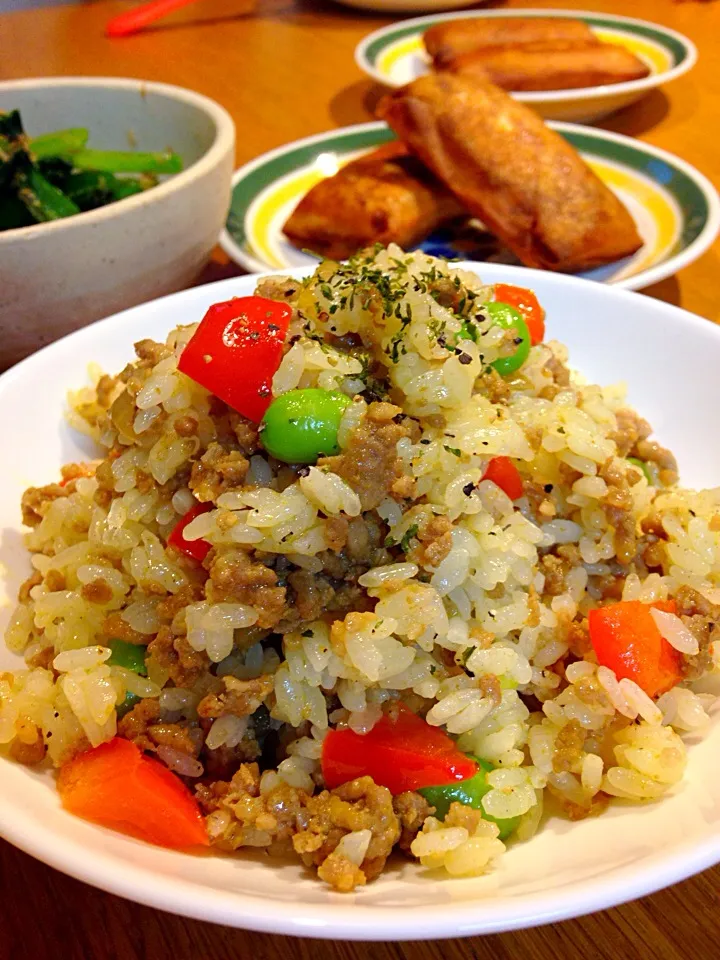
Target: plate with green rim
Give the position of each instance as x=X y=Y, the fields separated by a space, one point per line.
x=676 y=209
x=395 y=55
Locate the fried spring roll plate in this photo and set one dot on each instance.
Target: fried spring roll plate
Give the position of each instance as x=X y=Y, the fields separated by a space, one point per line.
x=384 y=196
x=523 y=180
x=451 y=38
x=551 y=66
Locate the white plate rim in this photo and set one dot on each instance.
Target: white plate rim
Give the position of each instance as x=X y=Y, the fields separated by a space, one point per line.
x=644 y=278
x=348 y=919
x=547 y=96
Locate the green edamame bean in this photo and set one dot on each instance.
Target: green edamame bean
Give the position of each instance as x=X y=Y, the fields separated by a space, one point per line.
x=641 y=465
x=130 y=700
x=302 y=425
x=508 y=317
x=131 y=656
x=469 y=792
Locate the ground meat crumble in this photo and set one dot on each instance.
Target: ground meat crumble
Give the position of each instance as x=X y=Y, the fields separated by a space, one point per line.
x=236 y=578
x=289 y=820
x=218 y=471
x=618 y=507
x=701 y=617
x=434 y=541
x=412 y=810
x=369 y=463
x=241 y=698
x=36 y=502
x=184 y=665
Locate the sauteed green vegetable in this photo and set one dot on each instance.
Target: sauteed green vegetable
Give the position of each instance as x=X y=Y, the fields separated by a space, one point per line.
x=56 y=175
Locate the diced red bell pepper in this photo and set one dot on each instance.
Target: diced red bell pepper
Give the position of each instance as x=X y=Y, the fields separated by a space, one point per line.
x=117 y=786
x=504 y=474
x=401 y=752
x=627 y=640
x=236 y=350
x=528 y=304
x=197 y=549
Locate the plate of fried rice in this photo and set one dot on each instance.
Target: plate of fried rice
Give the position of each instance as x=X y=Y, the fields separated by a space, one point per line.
x=367 y=602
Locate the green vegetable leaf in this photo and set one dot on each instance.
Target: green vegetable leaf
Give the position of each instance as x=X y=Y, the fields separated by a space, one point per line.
x=407 y=537
x=11 y=125
x=43 y=201
x=641 y=465
x=58 y=143
x=118 y=161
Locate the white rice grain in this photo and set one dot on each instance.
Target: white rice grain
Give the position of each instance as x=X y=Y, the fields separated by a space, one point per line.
x=390 y=572
x=330 y=493
x=581 y=668
x=639 y=701
x=609 y=682
x=591 y=773
x=675 y=632
x=179 y=762
x=82 y=659
x=353 y=846
x=438 y=841
x=226 y=731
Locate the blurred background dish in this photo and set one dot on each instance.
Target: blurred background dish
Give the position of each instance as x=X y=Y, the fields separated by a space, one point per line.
x=466 y=149
x=396 y=54
x=408 y=6
x=675 y=208
x=61 y=275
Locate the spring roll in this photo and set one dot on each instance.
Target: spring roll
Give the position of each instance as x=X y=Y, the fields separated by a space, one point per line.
x=523 y=180
x=384 y=196
x=551 y=66
x=449 y=39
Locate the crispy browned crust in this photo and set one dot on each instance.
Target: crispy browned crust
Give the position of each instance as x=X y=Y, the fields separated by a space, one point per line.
x=385 y=196
x=450 y=39
x=523 y=180
x=551 y=66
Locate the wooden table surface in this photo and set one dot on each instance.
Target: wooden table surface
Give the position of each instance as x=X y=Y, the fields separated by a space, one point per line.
x=284 y=69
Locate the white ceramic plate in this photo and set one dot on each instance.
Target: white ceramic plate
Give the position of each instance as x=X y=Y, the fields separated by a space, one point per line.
x=676 y=209
x=395 y=55
x=568 y=868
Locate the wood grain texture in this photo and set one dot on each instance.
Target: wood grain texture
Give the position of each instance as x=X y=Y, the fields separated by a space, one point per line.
x=284 y=69
x=47 y=915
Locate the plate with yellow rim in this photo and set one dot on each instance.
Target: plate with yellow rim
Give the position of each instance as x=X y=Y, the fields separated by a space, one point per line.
x=676 y=209
x=395 y=55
